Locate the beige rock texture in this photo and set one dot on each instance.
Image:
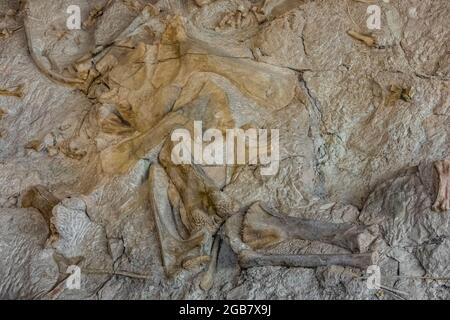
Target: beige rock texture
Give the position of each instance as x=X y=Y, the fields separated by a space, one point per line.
x=87 y=178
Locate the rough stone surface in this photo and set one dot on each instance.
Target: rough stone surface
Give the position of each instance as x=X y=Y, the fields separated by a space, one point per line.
x=356 y=145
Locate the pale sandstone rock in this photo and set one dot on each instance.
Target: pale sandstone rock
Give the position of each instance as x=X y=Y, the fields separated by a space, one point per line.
x=347 y=141
x=27 y=267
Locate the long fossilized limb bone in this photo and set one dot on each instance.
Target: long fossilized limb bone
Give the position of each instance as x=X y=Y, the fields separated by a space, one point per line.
x=257 y=228
x=208 y=278
x=250 y=259
x=263 y=228
x=442 y=202
x=174 y=249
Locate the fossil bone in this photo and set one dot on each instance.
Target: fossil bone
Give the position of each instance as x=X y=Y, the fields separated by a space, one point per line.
x=2 y=113
x=159 y=76
x=442 y=202
x=270 y=225
x=16 y=92
x=404 y=93
x=258 y=228
x=208 y=278
x=40 y=198
x=175 y=250
x=188 y=205
x=202 y=3
x=264 y=226
x=202 y=208
x=250 y=259
x=368 y=40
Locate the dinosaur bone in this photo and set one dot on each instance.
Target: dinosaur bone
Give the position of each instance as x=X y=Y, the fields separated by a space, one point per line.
x=170 y=80
x=259 y=227
x=40 y=198
x=174 y=248
x=269 y=227
x=250 y=259
x=202 y=3
x=264 y=227
x=208 y=278
x=442 y=202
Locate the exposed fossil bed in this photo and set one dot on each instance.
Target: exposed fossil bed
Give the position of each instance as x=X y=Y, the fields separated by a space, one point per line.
x=84 y=116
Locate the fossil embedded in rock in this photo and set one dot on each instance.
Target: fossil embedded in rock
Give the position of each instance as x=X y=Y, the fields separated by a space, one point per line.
x=162 y=82
x=250 y=259
x=139 y=70
x=95 y=13
x=442 y=202
x=202 y=3
x=40 y=198
x=261 y=227
x=404 y=93
x=6 y=33
x=407 y=94
x=35 y=145
x=264 y=227
x=367 y=39
x=16 y=92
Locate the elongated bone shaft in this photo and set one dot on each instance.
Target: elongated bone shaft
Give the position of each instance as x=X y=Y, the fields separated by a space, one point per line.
x=263 y=227
x=208 y=278
x=442 y=202
x=250 y=259
x=173 y=248
x=17 y=92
